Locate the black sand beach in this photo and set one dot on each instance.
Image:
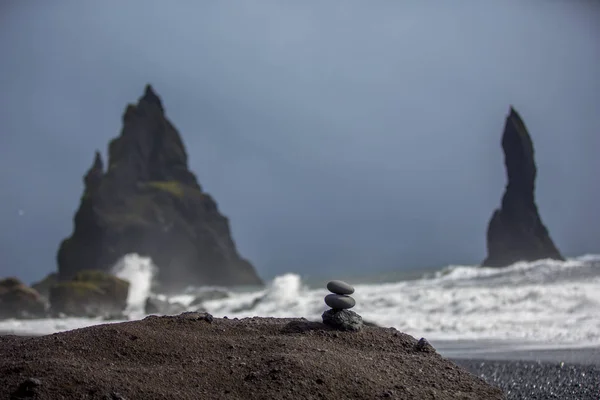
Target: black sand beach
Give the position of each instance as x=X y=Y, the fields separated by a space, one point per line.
x=567 y=373
x=538 y=380
x=510 y=351
x=535 y=373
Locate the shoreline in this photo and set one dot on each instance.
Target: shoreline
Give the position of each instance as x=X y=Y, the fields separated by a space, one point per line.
x=515 y=351
x=528 y=370
x=531 y=380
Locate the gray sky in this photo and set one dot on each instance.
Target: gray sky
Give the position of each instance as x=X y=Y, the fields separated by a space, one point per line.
x=342 y=135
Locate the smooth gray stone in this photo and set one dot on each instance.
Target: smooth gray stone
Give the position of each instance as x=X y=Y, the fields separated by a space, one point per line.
x=344 y=320
x=339 y=287
x=339 y=301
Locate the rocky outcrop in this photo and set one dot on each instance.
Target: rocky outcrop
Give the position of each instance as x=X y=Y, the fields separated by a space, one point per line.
x=17 y=300
x=149 y=202
x=515 y=231
x=90 y=294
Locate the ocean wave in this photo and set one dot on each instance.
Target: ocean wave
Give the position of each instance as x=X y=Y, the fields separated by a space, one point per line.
x=543 y=302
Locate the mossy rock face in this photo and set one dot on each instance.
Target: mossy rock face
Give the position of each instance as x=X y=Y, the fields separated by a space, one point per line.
x=18 y=300
x=173 y=187
x=90 y=293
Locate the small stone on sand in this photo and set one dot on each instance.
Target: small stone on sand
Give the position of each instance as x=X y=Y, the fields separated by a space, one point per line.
x=423 y=345
x=344 y=320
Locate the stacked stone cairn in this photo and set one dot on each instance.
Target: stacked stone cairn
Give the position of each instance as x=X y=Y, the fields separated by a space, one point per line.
x=340 y=301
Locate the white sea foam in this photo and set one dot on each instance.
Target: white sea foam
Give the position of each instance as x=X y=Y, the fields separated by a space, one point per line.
x=547 y=303
x=139 y=272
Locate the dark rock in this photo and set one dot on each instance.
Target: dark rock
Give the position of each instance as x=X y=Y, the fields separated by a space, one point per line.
x=17 y=300
x=344 y=320
x=156 y=306
x=515 y=231
x=149 y=202
x=89 y=294
x=93 y=178
x=424 y=346
x=196 y=316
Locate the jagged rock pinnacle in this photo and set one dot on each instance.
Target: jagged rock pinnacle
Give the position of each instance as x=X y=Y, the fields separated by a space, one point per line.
x=515 y=231
x=519 y=155
x=151 y=97
x=94 y=175
x=148 y=202
x=149 y=147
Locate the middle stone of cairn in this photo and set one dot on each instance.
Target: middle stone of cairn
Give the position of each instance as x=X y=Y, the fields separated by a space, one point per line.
x=339 y=300
x=339 y=316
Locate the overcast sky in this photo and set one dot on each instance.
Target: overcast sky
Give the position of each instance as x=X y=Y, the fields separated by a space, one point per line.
x=337 y=136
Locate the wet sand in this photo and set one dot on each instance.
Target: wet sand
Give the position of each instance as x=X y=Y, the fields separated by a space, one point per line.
x=534 y=380
x=504 y=350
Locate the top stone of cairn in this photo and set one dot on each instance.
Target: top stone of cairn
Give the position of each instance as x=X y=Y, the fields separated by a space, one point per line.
x=339 y=287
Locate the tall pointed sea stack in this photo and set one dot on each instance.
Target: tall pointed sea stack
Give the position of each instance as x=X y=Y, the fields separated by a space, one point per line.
x=515 y=231
x=149 y=202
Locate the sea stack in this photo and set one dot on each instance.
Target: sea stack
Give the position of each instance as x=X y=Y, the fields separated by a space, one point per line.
x=340 y=301
x=515 y=231
x=147 y=201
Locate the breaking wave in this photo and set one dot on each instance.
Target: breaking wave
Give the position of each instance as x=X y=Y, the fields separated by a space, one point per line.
x=546 y=302
x=139 y=272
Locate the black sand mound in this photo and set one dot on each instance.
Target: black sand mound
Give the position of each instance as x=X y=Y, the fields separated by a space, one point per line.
x=195 y=357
